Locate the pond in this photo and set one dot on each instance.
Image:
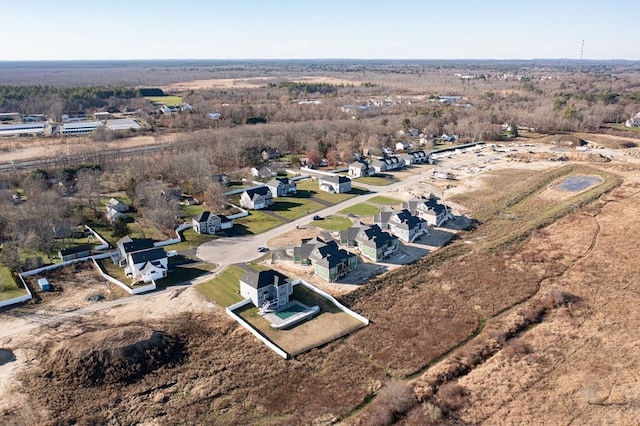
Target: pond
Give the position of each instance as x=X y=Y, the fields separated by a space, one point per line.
x=577 y=183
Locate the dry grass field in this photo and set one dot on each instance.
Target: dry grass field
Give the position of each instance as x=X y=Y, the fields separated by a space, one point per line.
x=528 y=318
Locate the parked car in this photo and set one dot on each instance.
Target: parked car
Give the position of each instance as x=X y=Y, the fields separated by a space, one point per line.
x=262 y=249
x=316 y=217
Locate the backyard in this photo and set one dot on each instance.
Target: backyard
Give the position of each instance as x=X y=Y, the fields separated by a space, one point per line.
x=333 y=223
x=8 y=286
x=225 y=288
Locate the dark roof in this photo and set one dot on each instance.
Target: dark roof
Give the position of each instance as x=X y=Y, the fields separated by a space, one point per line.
x=277 y=181
x=136 y=245
x=149 y=255
x=431 y=203
x=261 y=190
x=74 y=250
x=260 y=279
x=203 y=216
x=373 y=236
x=407 y=220
x=329 y=255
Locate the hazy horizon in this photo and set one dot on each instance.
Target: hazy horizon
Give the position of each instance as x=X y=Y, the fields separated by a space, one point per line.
x=354 y=30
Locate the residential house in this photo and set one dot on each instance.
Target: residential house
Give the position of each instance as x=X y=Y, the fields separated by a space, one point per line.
x=331 y=262
x=419 y=156
x=402 y=224
x=360 y=169
x=147 y=265
x=263 y=172
x=173 y=193
x=270 y=154
x=209 y=223
x=375 y=244
x=431 y=209
x=403 y=145
x=387 y=164
x=282 y=187
x=334 y=183
x=633 y=121
x=115 y=210
x=268 y=290
x=128 y=245
x=302 y=252
x=77 y=252
x=221 y=178
x=256 y=198
x=407 y=158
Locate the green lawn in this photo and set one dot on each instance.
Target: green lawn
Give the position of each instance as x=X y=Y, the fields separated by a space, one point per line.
x=623 y=127
x=191 y=240
x=255 y=223
x=167 y=100
x=183 y=273
x=379 y=199
x=377 y=180
x=313 y=191
x=225 y=288
x=362 y=209
x=295 y=207
x=9 y=285
x=192 y=211
x=114 y=271
x=334 y=223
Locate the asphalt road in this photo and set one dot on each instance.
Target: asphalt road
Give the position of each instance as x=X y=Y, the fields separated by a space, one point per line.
x=227 y=251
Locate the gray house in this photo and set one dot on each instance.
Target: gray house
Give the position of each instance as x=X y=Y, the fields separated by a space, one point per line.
x=334 y=183
x=360 y=168
x=431 y=209
x=406 y=226
x=209 y=223
x=375 y=244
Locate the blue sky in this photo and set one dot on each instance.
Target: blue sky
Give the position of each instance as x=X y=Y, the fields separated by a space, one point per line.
x=254 y=29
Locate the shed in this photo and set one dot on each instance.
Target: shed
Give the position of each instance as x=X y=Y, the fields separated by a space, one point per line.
x=44 y=284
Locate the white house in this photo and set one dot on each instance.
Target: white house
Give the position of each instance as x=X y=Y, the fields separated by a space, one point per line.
x=263 y=172
x=633 y=121
x=209 y=223
x=147 y=265
x=268 y=290
x=360 y=168
x=282 y=187
x=387 y=164
x=334 y=183
x=116 y=205
x=403 y=145
x=256 y=198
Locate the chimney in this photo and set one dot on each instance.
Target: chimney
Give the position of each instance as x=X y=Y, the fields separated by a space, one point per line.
x=276 y=279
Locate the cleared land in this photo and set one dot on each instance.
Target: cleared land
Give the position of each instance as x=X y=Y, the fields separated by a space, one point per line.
x=444 y=323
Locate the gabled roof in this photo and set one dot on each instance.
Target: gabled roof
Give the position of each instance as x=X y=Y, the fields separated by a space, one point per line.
x=149 y=255
x=304 y=250
x=329 y=255
x=335 y=179
x=274 y=183
x=426 y=204
x=383 y=217
x=362 y=165
x=350 y=233
x=405 y=220
x=260 y=191
x=374 y=237
x=131 y=246
x=150 y=265
x=260 y=279
x=205 y=215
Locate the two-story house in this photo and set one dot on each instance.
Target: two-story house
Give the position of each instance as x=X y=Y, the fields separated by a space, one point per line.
x=268 y=290
x=402 y=224
x=431 y=209
x=147 y=265
x=360 y=168
x=256 y=198
x=282 y=187
x=375 y=244
x=331 y=262
x=335 y=184
x=209 y=223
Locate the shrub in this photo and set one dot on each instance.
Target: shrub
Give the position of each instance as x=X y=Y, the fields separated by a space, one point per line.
x=451 y=397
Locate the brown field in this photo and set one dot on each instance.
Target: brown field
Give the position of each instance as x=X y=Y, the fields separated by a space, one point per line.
x=527 y=319
x=253 y=82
